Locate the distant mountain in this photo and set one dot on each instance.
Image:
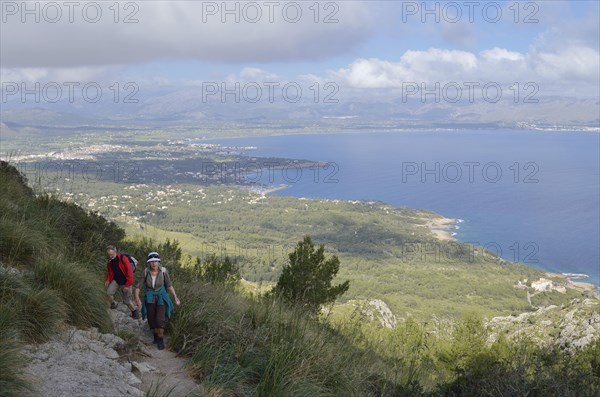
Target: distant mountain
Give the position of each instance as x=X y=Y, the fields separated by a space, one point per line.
x=187 y=109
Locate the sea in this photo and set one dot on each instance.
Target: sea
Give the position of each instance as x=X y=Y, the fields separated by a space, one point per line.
x=529 y=196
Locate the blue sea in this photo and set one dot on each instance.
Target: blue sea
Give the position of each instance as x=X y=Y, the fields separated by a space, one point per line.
x=532 y=197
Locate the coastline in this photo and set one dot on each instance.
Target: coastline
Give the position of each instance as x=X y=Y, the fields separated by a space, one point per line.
x=442 y=228
x=450 y=130
x=569 y=278
x=263 y=189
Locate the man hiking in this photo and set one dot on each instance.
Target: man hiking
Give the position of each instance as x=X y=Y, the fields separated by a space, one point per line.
x=119 y=275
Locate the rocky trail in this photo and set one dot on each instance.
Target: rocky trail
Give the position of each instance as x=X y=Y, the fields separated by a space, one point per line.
x=127 y=363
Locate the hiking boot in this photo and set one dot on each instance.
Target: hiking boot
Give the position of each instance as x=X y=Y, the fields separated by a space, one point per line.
x=113 y=305
x=135 y=314
x=155 y=339
x=160 y=344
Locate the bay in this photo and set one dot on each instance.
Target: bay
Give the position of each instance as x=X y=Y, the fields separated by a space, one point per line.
x=532 y=197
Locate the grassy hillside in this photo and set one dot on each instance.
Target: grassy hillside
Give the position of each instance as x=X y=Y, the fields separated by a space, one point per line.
x=153 y=187
x=243 y=345
x=50 y=271
x=388 y=252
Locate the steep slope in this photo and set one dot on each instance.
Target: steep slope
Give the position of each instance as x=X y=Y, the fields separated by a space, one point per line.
x=57 y=333
x=230 y=344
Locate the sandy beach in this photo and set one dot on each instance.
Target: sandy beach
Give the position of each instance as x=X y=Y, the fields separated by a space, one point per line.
x=442 y=228
x=264 y=190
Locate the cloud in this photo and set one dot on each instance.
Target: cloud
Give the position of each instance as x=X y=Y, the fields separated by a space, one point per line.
x=256 y=74
x=414 y=66
x=502 y=54
x=575 y=63
x=461 y=34
x=561 y=57
x=44 y=75
x=554 y=71
x=180 y=30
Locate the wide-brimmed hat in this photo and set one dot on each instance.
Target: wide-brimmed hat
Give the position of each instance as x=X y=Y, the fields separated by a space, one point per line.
x=153 y=257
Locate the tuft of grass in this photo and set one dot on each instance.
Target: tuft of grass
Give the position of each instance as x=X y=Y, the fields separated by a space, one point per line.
x=13 y=382
x=81 y=291
x=42 y=313
x=156 y=390
x=18 y=243
x=131 y=346
x=36 y=314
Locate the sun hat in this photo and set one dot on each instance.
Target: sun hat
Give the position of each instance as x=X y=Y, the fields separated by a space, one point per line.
x=153 y=257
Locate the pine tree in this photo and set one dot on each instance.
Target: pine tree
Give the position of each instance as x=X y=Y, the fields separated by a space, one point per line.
x=306 y=280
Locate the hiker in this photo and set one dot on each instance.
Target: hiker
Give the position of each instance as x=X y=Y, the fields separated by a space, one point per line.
x=157 y=304
x=119 y=276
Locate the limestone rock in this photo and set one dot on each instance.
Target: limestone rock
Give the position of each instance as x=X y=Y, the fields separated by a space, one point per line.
x=81 y=363
x=142 y=368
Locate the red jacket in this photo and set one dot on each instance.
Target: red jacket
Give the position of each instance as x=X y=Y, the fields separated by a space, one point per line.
x=125 y=268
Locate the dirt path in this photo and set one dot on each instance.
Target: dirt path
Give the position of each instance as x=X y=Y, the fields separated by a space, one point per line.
x=160 y=370
x=170 y=375
x=87 y=363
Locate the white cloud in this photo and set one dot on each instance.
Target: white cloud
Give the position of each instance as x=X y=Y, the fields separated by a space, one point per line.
x=550 y=70
x=414 y=66
x=502 y=54
x=575 y=63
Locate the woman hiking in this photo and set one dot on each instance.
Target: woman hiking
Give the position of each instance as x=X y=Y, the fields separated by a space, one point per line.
x=157 y=304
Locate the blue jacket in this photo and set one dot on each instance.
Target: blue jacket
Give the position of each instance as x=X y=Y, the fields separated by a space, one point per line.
x=163 y=297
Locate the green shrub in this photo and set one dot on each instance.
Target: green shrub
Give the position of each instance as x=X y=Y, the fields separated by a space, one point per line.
x=87 y=233
x=14 y=183
x=218 y=271
x=306 y=358
x=34 y=228
x=518 y=368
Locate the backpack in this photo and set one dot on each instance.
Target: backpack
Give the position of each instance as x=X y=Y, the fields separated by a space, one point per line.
x=132 y=261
